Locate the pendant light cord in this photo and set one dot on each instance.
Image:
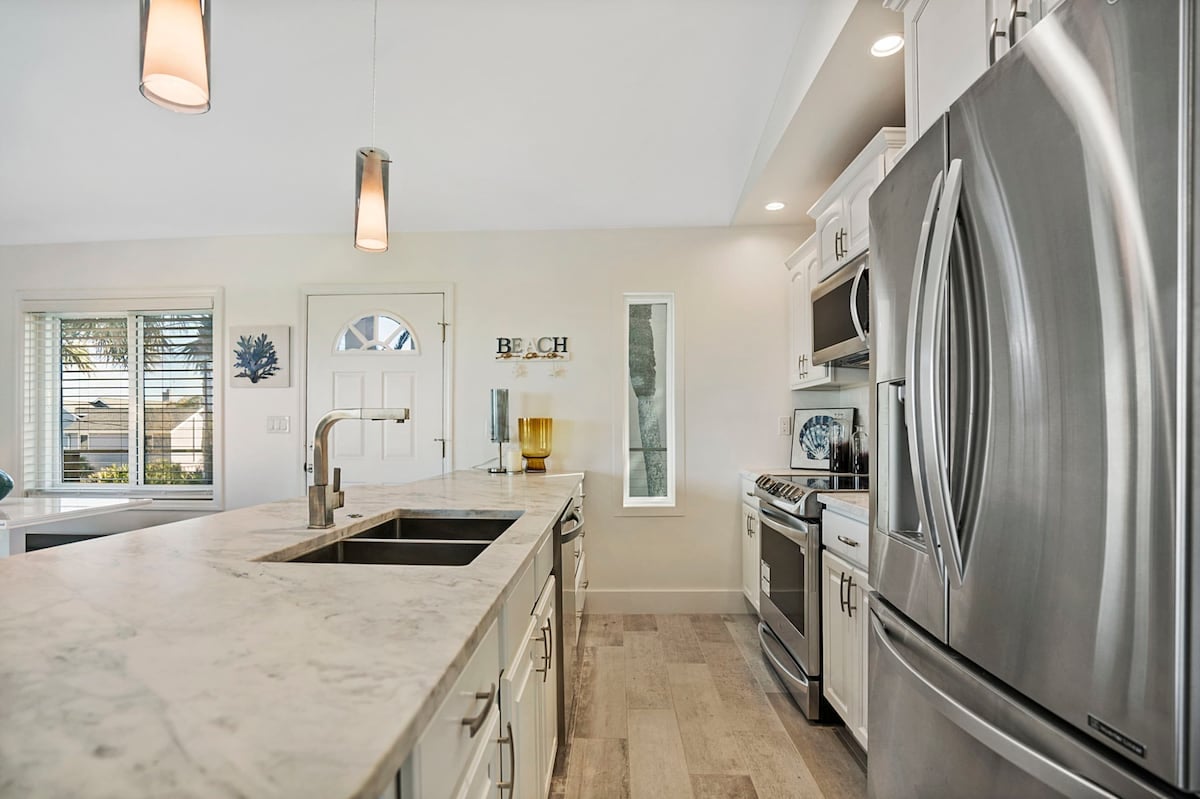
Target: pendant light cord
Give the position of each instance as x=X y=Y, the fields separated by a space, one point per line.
x=374 y=40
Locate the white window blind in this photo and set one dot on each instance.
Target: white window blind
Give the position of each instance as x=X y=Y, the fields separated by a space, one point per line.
x=119 y=402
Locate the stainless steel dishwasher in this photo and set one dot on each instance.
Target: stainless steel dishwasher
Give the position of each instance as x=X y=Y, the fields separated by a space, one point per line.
x=570 y=527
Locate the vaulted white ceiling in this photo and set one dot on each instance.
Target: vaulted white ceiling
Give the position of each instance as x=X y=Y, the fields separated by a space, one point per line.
x=498 y=114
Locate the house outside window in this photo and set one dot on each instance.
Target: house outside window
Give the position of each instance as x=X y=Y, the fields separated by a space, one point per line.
x=120 y=401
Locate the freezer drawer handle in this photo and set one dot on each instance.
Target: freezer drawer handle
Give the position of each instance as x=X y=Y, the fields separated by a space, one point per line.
x=1033 y=763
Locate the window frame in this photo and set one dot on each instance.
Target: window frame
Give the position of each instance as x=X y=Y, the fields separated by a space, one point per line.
x=671 y=504
x=129 y=301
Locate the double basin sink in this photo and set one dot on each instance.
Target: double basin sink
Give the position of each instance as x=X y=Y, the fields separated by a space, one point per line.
x=416 y=541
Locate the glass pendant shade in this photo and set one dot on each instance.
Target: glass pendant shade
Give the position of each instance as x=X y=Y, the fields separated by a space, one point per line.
x=175 y=39
x=371 y=198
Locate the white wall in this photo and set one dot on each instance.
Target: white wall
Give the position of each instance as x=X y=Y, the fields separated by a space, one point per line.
x=731 y=291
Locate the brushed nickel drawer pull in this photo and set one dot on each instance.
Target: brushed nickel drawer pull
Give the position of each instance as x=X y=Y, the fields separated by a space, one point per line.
x=474 y=723
x=850 y=542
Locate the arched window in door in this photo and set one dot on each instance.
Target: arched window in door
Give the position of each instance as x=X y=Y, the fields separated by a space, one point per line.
x=377 y=331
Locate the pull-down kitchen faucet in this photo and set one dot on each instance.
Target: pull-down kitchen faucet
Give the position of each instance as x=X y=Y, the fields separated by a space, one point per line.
x=323 y=497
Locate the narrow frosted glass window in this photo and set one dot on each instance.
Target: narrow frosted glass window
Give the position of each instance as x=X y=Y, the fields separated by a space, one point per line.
x=650 y=400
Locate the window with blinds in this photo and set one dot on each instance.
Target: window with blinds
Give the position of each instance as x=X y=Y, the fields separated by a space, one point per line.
x=119 y=402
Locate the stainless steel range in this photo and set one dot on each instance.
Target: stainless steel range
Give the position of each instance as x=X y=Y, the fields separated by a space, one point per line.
x=790 y=596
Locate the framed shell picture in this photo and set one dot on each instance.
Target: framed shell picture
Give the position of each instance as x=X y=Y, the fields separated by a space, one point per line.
x=260 y=356
x=810 y=435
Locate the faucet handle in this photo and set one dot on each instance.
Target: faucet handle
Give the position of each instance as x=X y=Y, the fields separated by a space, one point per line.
x=339 y=498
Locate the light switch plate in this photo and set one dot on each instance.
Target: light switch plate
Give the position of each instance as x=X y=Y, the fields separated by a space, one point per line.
x=279 y=424
x=785 y=426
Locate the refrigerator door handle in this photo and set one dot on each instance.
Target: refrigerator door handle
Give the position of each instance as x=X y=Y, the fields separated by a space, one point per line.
x=916 y=307
x=930 y=425
x=858 y=328
x=1037 y=765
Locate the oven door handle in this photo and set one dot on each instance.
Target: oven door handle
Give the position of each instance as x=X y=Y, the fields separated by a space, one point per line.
x=797 y=535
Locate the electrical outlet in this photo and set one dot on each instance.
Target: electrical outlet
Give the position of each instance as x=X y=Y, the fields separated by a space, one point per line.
x=279 y=424
x=785 y=426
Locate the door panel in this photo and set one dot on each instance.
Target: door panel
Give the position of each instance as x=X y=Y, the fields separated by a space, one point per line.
x=367 y=351
x=904 y=563
x=1062 y=350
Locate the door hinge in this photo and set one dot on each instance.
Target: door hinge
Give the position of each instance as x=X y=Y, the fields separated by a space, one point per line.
x=444 y=325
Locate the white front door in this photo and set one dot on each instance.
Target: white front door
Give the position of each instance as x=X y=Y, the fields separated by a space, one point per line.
x=379 y=351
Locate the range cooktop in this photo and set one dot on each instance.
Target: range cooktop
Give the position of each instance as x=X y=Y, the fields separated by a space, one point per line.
x=797 y=494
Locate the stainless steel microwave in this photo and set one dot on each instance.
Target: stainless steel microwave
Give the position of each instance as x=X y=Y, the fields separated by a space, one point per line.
x=841 y=308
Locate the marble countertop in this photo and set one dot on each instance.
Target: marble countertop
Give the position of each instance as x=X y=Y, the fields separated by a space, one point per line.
x=855 y=504
x=180 y=661
x=17 y=512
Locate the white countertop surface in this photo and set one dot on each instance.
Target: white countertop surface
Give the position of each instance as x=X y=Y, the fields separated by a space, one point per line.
x=174 y=662
x=855 y=504
x=17 y=512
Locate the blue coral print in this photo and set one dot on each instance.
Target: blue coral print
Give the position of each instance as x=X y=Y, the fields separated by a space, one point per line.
x=255 y=357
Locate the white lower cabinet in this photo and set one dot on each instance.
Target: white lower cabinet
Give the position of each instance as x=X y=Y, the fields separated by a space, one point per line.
x=496 y=734
x=751 y=553
x=529 y=705
x=844 y=642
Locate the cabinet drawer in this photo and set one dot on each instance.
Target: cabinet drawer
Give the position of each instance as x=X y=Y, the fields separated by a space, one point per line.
x=845 y=536
x=483 y=771
x=444 y=750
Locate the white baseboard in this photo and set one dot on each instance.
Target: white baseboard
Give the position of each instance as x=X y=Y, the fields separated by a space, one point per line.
x=666 y=601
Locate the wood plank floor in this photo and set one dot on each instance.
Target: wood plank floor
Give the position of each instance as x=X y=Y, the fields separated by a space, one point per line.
x=683 y=706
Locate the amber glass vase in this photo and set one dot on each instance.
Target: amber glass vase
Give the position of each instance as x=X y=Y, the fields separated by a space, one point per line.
x=536 y=433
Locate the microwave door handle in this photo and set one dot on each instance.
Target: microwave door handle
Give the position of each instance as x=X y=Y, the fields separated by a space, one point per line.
x=931 y=424
x=915 y=312
x=858 y=328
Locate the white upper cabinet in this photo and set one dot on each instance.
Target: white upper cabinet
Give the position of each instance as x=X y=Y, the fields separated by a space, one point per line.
x=841 y=213
x=949 y=43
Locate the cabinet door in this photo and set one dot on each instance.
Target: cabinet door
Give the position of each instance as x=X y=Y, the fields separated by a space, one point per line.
x=546 y=674
x=854 y=656
x=833 y=636
x=520 y=687
x=946 y=50
x=832 y=238
x=863 y=634
x=750 y=554
x=857 y=216
x=800 y=305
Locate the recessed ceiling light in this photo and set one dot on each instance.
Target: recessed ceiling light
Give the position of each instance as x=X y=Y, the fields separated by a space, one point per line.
x=775 y=206
x=887 y=45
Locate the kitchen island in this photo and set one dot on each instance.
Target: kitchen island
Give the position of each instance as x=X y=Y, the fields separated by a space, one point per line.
x=18 y=514
x=187 y=660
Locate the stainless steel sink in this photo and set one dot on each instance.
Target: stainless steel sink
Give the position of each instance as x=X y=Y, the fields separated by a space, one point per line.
x=440 y=528
x=419 y=540
x=396 y=553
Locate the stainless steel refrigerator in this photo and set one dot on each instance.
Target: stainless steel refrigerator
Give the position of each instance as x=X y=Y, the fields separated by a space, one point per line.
x=1034 y=546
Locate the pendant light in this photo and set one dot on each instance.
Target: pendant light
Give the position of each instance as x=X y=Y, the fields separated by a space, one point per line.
x=174 y=56
x=371 y=177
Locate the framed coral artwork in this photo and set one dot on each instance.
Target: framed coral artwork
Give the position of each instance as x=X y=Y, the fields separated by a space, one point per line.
x=260 y=356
